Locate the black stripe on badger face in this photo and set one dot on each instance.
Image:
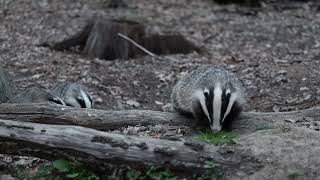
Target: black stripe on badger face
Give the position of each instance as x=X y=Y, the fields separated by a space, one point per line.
x=234 y=113
x=81 y=102
x=209 y=95
x=225 y=100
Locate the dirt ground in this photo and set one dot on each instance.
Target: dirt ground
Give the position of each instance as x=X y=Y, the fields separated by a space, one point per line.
x=273 y=49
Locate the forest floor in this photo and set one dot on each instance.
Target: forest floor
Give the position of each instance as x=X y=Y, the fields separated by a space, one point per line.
x=273 y=49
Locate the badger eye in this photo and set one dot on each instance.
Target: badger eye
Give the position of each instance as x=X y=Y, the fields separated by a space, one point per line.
x=206 y=93
x=81 y=102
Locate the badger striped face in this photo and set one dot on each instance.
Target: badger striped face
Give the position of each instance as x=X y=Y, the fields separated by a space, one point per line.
x=216 y=103
x=85 y=100
x=78 y=98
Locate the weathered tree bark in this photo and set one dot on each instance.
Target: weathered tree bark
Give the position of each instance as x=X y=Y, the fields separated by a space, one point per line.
x=97 y=147
x=109 y=120
x=103 y=41
x=92 y=118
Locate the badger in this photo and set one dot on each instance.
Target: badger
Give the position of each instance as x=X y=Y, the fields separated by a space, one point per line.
x=211 y=94
x=67 y=94
x=35 y=95
x=73 y=94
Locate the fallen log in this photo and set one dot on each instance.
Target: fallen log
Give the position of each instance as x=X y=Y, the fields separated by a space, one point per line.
x=96 y=148
x=110 y=119
x=92 y=118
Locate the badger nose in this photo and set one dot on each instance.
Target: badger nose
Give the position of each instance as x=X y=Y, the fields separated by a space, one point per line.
x=215 y=129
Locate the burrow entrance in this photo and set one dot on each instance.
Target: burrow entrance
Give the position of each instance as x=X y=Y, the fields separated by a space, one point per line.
x=100 y=38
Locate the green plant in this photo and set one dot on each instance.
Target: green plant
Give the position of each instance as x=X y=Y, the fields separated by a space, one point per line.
x=62 y=169
x=216 y=138
x=292 y=173
x=285 y=128
x=209 y=171
x=210 y=165
x=134 y=175
x=23 y=173
x=265 y=127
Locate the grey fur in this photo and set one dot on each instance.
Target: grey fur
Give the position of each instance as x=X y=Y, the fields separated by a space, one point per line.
x=70 y=93
x=35 y=95
x=203 y=77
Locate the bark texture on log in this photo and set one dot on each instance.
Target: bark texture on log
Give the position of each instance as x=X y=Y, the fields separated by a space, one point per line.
x=110 y=120
x=92 y=118
x=96 y=147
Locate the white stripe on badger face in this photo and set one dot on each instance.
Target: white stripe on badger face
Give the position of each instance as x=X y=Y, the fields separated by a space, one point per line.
x=200 y=96
x=228 y=91
x=60 y=100
x=86 y=99
x=232 y=99
x=216 y=126
x=206 y=91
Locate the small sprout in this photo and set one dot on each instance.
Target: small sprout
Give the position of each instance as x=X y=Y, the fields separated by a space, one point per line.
x=73 y=175
x=285 y=129
x=207 y=175
x=210 y=165
x=63 y=169
x=61 y=165
x=292 y=173
x=134 y=175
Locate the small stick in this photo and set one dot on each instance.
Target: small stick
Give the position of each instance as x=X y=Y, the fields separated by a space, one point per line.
x=137 y=45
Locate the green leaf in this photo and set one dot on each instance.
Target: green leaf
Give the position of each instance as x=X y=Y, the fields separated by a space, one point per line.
x=93 y=177
x=44 y=171
x=216 y=138
x=133 y=175
x=61 y=165
x=210 y=164
x=73 y=175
